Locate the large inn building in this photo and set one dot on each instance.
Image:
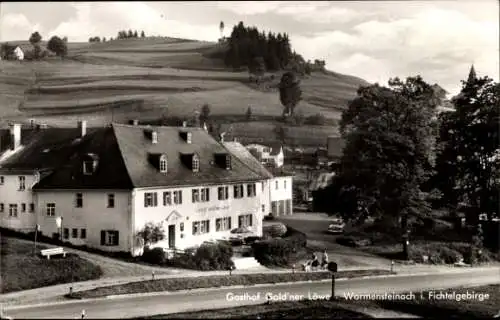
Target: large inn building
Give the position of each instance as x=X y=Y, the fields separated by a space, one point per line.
x=107 y=183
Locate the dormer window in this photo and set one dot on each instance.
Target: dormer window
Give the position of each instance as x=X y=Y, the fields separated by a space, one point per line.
x=196 y=163
x=163 y=164
x=90 y=162
x=186 y=136
x=223 y=160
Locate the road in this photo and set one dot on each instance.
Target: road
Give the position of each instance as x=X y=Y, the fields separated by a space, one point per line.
x=163 y=303
x=315 y=226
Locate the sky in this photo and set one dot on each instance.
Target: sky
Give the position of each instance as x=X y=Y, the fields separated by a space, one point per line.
x=374 y=40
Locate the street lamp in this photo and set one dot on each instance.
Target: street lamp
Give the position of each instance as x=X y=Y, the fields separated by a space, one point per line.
x=59 y=221
x=333 y=268
x=37 y=229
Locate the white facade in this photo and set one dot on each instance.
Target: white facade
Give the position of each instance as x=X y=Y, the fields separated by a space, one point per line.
x=17 y=204
x=19 y=54
x=281 y=195
x=178 y=219
x=86 y=213
x=265 y=156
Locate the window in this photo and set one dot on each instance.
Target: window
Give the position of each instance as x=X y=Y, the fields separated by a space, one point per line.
x=167 y=198
x=205 y=194
x=284 y=184
x=201 y=227
x=238 y=191
x=251 y=190
x=74 y=233
x=154 y=137
x=195 y=195
x=228 y=162
x=178 y=197
x=245 y=221
x=111 y=200
x=276 y=185
x=196 y=163
x=22 y=183
x=163 y=164
x=12 y=210
x=223 y=193
x=182 y=226
x=189 y=137
x=263 y=208
x=51 y=209
x=2 y=208
x=23 y=207
x=66 y=233
x=109 y=238
x=2 y=180
x=150 y=199
x=79 y=200
x=223 y=224
x=83 y=233
x=32 y=207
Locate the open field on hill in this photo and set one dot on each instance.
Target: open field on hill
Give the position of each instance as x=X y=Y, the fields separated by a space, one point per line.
x=148 y=78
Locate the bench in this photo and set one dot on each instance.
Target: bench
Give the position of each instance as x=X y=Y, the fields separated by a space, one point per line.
x=53 y=252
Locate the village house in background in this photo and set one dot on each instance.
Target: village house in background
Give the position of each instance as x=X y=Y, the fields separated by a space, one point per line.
x=107 y=183
x=268 y=155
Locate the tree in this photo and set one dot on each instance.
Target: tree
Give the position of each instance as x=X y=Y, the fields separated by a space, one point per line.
x=281 y=133
x=135 y=34
x=65 y=39
x=221 y=28
x=468 y=164
x=143 y=35
x=248 y=114
x=58 y=46
x=103 y=39
x=205 y=113
x=390 y=135
x=35 y=39
x=290 y=92
x=130 y=34
x=152 y=233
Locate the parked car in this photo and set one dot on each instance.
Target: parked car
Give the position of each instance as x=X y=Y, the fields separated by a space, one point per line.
x=238 y=235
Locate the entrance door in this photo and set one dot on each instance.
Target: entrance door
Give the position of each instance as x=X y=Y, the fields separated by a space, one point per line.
x=171 y=236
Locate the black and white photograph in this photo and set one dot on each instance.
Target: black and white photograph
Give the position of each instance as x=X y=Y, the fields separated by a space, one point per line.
x=250 y=159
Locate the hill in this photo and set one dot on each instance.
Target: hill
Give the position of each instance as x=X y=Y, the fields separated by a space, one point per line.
x=149 y=78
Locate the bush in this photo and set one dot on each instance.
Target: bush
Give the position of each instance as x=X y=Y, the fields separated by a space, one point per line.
x=277 y=230
x=280 y=251
x=269 y=217
x=154 y=256
x=209 y=256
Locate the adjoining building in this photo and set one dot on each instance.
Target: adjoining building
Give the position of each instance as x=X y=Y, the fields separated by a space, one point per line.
x=107 y=183
x=268 y=155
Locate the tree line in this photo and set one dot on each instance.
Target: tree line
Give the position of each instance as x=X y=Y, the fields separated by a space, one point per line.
x=402 y=157
x=55 y=44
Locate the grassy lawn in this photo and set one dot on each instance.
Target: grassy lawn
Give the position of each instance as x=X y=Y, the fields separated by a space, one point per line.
x=21 y=270
x=176 y=284
x=445 y=309
x=284 y=310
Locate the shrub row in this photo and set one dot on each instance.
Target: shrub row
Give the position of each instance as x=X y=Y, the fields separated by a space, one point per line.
x=280 y=251
x=208 y=256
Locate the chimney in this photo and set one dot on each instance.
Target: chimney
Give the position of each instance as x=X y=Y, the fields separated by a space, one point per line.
x=205 y=126
x=15 y=132
x=222 y=136
x=32 y=123
x=184 y=123
x=82 y=126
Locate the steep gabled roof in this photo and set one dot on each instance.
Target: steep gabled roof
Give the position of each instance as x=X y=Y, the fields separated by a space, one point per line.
x=110 y=173
x=134 y=148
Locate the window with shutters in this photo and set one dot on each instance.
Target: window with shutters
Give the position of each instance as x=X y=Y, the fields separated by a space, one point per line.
x=51 y=209
x=23 y=207
x=178 y=197
x=32 y=207
x=195 y=195
x=109 y=238
x=245 y=221
x=74 y=233
x=12 y=210
x=223 y=224
x=167 y=198
x=251 y=190
x=201 y=227
x=22 y=183
x=2 y=207
x=223 y=193
x=150 y=199
x=205 y=194
x=83 y=233
x=238 y=191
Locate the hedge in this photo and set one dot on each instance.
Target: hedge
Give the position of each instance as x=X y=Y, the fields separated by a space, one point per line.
x=209 y=256
x=280 y=251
